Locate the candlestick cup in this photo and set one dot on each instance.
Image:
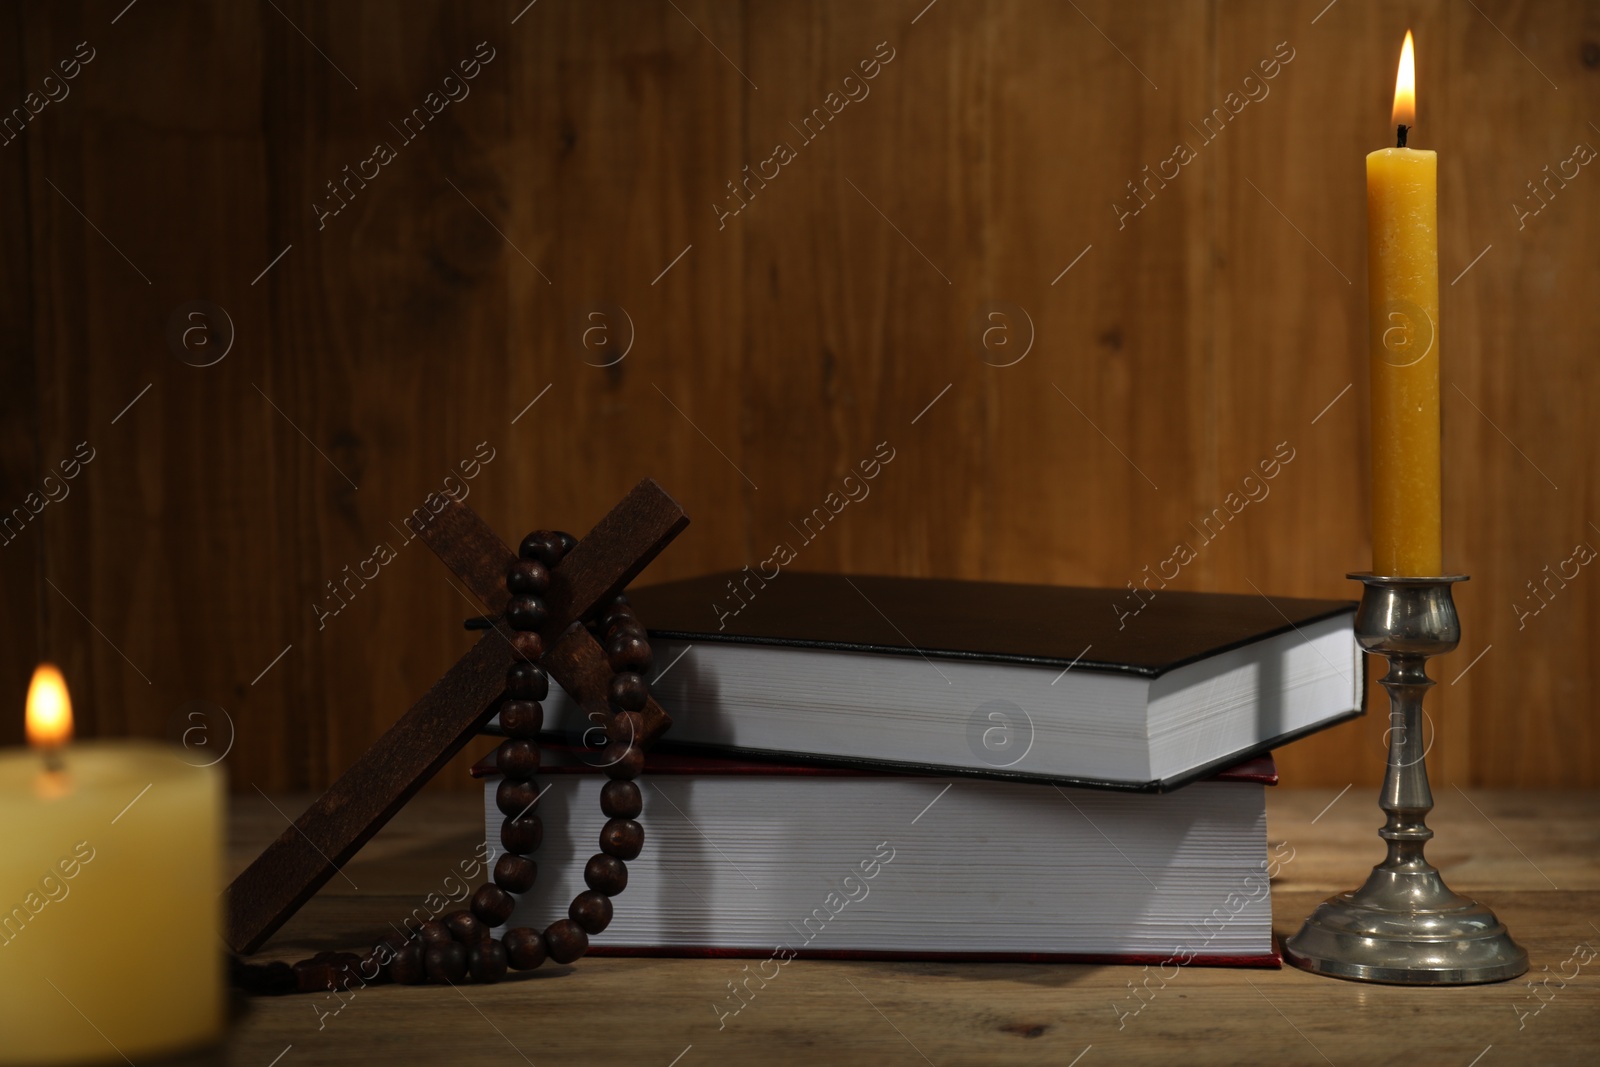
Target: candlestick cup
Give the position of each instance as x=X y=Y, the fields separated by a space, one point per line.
x=1405 y=926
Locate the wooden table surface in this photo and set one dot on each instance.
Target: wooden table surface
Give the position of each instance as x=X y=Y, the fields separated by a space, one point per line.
x=1533 y=856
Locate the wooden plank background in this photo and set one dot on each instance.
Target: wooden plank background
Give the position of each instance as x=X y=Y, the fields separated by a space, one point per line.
x=585 y=173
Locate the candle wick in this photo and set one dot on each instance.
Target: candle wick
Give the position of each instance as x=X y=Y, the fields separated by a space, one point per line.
x=53 y=761
x=1400 y=135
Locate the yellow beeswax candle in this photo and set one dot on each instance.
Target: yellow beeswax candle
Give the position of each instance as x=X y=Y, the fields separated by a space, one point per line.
x=1403 y=308
x=110 y=883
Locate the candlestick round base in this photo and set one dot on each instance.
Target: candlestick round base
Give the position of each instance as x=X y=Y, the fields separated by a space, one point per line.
x=1406 y=928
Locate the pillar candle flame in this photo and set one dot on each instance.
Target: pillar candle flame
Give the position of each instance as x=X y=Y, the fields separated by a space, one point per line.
x=49 y=709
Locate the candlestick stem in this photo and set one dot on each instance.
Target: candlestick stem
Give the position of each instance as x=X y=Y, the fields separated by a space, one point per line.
x=1405 y=926
x=1406 y=797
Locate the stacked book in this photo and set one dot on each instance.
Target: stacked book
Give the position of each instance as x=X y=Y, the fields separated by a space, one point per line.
x=910 y=768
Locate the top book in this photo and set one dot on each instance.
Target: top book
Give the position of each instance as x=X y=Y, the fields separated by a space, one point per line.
x=1133 y=690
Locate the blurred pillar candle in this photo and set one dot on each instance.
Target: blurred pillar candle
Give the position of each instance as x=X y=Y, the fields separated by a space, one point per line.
x=110 y=883
x=1403 y=305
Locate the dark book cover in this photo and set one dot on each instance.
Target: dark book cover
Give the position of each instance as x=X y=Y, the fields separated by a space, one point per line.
x=1137 y=632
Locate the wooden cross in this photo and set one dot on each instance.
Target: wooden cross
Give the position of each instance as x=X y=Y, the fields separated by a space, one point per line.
x=439 y=725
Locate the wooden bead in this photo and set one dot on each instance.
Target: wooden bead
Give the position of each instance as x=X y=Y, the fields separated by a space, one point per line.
x=327 y=971
x=526 y=613
x=517 y=760
x=606 y=874
x=466 y=927
x=527 y=577
x=622 y=838
x=542 y=545
x=492 y=904
x=528 y=645
x=525 y=948
x=629 y=691
x=515 y=874
x=590 y=910
x=349 y=967
x=618 y=623
x=522 y=718
x=527 y=681
x=312 y=976
x=516 y=798
x=522 y=834
x=628 y=628
x=394 y=945
x=373 y=968
x=407 y=967
x=486 y=961
x=621 y=800
x=565 y=940
x=623 y=760
x=445 y=963
x=566 y=541
x=433 y=932
x=627 y=652
x=615 y=612
x=625 y=728
x=375 y=963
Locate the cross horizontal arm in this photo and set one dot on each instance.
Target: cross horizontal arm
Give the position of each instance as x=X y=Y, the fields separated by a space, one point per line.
x=597 y=568
x=620 y=546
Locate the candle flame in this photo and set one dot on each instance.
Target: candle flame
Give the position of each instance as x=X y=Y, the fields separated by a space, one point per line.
x=49 y=708
x=1405 y=87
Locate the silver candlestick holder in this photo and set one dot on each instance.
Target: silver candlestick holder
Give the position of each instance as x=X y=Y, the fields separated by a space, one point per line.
x=1405 y=926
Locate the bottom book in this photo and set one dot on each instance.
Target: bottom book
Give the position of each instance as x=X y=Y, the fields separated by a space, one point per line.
x=745 y=859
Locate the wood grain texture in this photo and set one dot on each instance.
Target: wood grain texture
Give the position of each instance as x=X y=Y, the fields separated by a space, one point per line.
x=20 y=461
x=573 y=206
x=879 y=1013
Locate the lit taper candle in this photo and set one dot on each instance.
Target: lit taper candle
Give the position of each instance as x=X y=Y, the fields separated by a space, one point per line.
x=1403 y=307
